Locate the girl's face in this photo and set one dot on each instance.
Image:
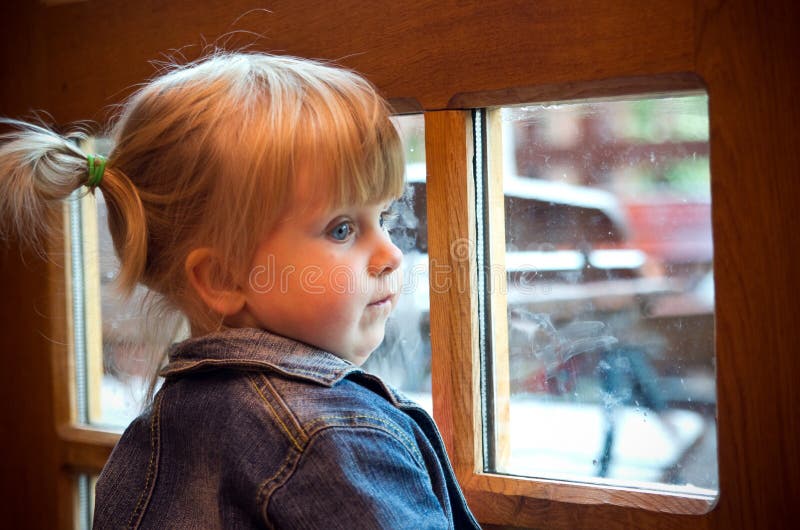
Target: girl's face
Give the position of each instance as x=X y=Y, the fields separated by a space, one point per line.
x=326 y=277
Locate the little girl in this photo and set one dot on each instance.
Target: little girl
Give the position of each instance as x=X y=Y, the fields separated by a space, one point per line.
x=249 y=191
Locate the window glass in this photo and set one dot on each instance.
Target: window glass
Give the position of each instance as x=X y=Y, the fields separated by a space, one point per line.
x=84 y=507
x=111 y=363
x=404 y=358
x=127 y=357
x=603 y=368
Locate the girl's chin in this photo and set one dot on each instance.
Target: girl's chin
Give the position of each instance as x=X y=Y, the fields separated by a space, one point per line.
x=359 y=359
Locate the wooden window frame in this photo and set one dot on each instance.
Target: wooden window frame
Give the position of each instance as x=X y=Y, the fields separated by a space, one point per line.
x=82 y=449
x=456 y=357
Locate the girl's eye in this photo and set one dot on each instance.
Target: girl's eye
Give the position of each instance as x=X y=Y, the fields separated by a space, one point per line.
x=342 y=231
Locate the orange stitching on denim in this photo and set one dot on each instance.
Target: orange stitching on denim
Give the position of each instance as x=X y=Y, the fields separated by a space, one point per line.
x=289 y=464
x=390 y=428
x=275 y=415
x=262 y=497
x=276 y=395
x=155 y=438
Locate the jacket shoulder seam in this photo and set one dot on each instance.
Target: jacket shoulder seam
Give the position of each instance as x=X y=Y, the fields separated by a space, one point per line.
x=279 y=411
x=293 y=458
x=152 y=466
x=362 y=420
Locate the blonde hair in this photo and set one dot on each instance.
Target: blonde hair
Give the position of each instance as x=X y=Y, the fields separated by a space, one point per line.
x=207 y=154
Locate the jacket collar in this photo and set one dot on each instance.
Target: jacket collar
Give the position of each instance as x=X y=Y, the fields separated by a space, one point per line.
x=256 y=349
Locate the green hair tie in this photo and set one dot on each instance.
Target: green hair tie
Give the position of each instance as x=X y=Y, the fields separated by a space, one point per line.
x=95 y=170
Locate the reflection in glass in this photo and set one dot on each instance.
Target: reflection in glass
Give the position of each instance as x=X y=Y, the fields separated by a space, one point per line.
x=404 y=358
x=610 y=295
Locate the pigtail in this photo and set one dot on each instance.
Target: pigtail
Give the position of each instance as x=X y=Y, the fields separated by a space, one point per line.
x=128 y=227
x=38 y=169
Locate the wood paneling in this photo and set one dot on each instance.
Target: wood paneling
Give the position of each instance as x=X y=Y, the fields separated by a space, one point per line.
x=430 y=51
x=747 y=55
x=29 y=465
x=453 y=313
x=28 y=444
x=23 y=59
x=77 y=60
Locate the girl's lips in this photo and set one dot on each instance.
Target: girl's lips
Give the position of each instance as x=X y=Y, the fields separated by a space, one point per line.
x=380 y=309
x=385 y=300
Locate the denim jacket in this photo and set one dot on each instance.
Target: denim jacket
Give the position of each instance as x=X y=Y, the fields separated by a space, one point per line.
x=253 y=430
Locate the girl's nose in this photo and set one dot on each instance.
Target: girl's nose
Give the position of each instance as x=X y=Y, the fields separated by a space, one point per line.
x=387 y=257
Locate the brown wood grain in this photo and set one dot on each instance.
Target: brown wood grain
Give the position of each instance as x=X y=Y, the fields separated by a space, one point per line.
x=27 y=438
x=84 y=449
x=451 y=235
x=748 y=57
x=29 y=463
x=423 y=51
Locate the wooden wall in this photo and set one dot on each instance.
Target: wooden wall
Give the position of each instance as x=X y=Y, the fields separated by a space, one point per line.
x=79 y=58
x=28 y=459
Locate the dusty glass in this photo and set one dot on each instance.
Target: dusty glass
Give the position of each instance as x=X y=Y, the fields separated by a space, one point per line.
x=404 y=358
x=606 y=373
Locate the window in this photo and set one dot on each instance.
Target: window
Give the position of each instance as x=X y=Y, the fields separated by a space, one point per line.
x=601 y=293
x=85 y=485
x=110 y=368
x=404 y=358
x=487 y=404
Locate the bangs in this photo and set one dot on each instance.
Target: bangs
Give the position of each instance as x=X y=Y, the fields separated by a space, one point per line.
x=351 y=145
x=260 y=131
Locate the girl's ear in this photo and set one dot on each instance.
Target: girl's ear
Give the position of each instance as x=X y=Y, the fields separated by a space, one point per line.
x=213 y=284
